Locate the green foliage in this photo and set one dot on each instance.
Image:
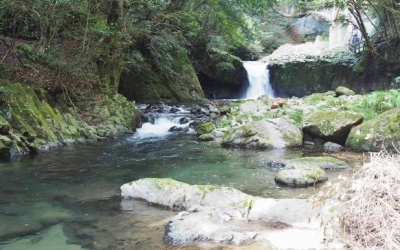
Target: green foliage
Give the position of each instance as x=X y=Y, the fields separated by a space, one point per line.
x=107 y=36
x=296 y=115
x=397 y=80
x=377 y=102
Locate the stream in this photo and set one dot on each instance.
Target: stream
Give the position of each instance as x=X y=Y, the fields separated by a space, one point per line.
x=68 y=198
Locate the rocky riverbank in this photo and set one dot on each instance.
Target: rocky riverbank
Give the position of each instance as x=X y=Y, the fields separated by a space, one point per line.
x=228 y=216
x=330 y=122
x=28 y=123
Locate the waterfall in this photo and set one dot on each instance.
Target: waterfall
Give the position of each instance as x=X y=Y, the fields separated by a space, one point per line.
x=258 y=77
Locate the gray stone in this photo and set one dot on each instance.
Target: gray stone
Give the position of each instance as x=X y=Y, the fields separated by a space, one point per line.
x=265 y=134
x=324 y=162
x=228 y=216
x=341 y=90
x=301 y=177
x=331 y=125
x=332 y=147
x=210 y=224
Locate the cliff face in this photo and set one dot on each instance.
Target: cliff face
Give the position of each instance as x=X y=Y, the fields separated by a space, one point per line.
x=28 y=123
x=144 y=83
x=304 y=77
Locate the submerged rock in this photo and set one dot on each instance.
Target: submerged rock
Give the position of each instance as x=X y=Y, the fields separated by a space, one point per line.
x=265 y=134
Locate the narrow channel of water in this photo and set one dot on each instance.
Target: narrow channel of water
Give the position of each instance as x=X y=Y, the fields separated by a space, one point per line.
x=68 y=198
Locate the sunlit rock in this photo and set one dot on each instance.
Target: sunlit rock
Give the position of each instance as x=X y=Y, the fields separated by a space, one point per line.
x=331 y=125
x=227 y=216
x=265 y=134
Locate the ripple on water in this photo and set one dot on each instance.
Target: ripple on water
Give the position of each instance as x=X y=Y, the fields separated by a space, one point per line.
x=68 y=198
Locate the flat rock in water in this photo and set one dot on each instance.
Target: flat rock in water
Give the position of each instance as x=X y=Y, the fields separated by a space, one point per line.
x=265 y=134
x=226 y=215
x=175 y=194
x=301 y=177
x=210 y=224
x=307 y=171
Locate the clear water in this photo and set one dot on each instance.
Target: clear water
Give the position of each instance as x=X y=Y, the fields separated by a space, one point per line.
x=68 y=198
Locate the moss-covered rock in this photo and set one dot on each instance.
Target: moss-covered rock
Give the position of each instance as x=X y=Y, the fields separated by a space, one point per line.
x=341 y=90
x=4 y=126
x=265 y=134
x=206 y=137
x=31 y=123
x=145 y=84
x=307 y=171
x=301 y=177
x=331 y=125
x=221 y=74
x=381 y=132
x=5 y=146
x=323 y=162
x=205 y=128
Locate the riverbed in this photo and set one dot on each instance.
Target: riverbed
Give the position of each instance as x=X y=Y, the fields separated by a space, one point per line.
x=68 y=198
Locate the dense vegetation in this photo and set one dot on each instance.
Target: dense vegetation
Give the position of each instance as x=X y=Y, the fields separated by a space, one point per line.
x=88 y=43
x=70 y=45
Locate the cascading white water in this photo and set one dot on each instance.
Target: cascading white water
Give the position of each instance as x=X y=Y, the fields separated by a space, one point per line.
x=159 y=128
x=258 y=77
x=161 y=120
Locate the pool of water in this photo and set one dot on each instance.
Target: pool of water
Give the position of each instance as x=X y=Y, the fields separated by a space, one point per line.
x=68 y=198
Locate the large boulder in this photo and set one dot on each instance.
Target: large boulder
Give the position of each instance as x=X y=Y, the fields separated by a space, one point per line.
x=208 y=224
x=341 y=90
x=28 y=123
x=265 y=134
x=381 y=132
x=175 y=83
x=175 y=194
x=226 y=215
x=307 y=171
x=331 y=125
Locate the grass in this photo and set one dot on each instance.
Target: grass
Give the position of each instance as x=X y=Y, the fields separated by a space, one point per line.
x=377 y=102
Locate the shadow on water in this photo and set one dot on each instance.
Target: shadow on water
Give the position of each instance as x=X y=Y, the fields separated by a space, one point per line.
x=69 y=198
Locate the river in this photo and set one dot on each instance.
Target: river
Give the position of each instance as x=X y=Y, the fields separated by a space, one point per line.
x=68 y=198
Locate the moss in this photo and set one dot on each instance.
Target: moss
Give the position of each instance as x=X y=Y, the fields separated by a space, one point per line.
x=227 y=135
x=205 y=128
x=34 y=123
x=316 y=174
x=4 y=126
x=247 y=131
x=206 y=137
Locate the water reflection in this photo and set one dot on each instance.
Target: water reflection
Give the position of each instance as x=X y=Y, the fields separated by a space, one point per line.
x=69 y=198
